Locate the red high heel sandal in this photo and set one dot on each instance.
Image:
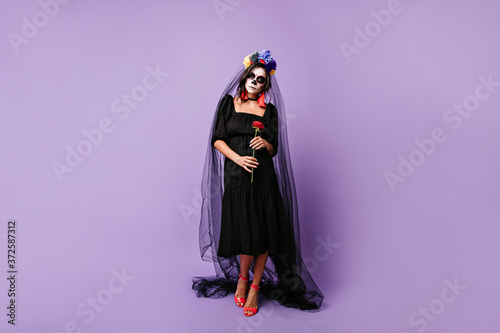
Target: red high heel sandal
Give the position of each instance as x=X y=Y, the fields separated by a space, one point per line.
x=253 y=310
x=240 y=299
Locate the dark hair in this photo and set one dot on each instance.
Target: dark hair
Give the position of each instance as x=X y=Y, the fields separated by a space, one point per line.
x=243 y=78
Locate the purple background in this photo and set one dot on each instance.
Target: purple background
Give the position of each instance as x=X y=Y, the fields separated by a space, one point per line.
x=133 y=202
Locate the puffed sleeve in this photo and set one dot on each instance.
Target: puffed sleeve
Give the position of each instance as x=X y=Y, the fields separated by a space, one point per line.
x=220 y=132
x=273 y=126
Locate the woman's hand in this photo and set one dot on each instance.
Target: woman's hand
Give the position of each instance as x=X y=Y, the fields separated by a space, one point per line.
x=258 y=142
x=247 y=161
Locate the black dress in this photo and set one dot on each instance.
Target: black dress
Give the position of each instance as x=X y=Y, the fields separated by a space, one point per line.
x=253 y=217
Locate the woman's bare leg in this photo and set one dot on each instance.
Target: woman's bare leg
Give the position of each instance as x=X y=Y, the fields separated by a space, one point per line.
x=259 y=264
x=241 y=289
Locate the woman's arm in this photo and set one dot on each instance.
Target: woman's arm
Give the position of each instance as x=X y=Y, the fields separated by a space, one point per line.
x=222 y=146
x=270 y=148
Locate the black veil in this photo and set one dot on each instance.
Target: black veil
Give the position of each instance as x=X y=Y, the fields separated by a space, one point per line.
x=285 y=277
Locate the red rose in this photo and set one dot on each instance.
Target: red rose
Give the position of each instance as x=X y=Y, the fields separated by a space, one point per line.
x=258 y=124
x=258 y=127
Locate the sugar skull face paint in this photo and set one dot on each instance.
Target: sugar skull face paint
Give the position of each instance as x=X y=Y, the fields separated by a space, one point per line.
x=256 y=80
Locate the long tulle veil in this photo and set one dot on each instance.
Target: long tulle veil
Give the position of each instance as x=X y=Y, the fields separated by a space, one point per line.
x=285 y=278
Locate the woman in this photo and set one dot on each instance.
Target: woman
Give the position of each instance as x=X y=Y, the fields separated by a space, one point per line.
x=255 y=215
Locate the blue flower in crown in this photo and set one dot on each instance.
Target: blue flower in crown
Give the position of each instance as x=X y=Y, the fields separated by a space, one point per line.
x=265 y=55
x=271 y=66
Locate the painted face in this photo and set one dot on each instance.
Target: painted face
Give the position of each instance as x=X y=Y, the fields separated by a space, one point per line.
x=256 y=80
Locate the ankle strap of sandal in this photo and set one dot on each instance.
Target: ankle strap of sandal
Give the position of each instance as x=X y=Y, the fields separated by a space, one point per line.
x=241 y=277
x=254 y=286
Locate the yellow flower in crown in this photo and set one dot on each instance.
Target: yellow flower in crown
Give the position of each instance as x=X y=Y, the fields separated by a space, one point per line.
x=247 y=61
x=264 y=56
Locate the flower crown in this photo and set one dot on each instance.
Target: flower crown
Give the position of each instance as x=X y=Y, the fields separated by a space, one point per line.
x=264 y=57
